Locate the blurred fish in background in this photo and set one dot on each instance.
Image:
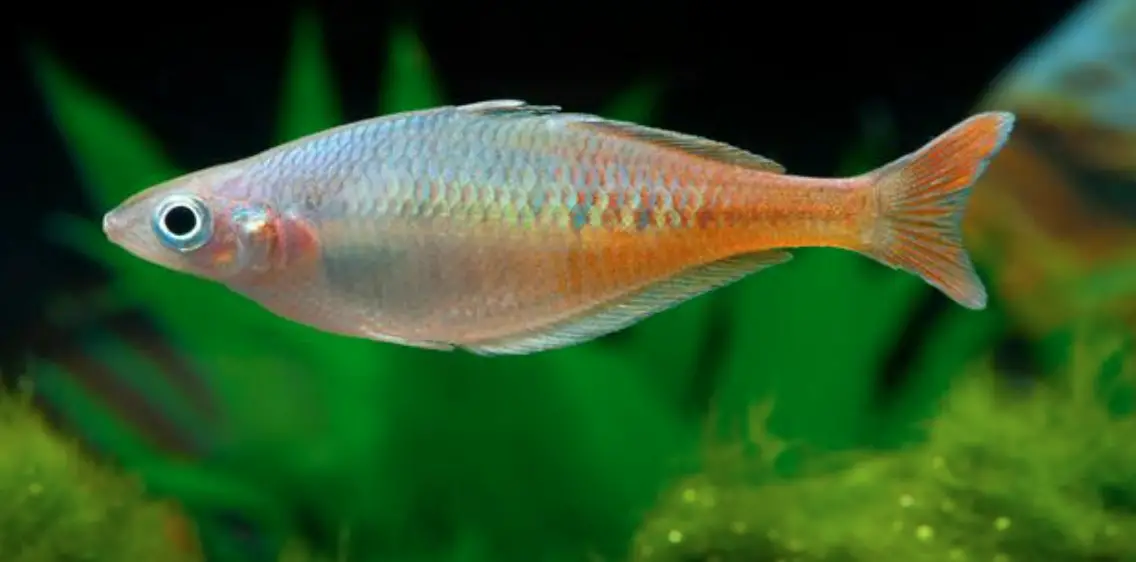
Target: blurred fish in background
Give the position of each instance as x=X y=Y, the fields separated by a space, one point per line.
x=114 y=359
x=105 y=374
x=1055 y=215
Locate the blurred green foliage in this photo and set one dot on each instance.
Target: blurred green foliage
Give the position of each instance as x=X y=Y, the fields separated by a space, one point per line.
x=1006 y=474
x=550 y=456
x=58 y=506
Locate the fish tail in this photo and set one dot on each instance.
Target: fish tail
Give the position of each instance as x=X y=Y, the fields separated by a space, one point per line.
x=922 y=198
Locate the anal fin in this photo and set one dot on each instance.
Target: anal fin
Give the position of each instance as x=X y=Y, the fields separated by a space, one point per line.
x=613 y=316
x=421 y=344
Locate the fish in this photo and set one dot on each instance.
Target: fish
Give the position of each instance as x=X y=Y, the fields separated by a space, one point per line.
x=145 y=392
x=108 y=379
x=1058 y=207
x=506 y=228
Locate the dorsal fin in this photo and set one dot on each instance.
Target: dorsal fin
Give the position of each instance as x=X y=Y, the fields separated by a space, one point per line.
x=690 y=144
x=509 y=108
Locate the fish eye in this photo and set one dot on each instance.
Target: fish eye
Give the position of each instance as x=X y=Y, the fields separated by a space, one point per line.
x=182 y=223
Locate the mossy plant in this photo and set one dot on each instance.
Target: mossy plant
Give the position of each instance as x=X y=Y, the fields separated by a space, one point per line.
x=58 y=506
x=1008 y=473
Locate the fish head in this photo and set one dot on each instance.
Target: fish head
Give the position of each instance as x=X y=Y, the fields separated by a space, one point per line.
x=202 y=224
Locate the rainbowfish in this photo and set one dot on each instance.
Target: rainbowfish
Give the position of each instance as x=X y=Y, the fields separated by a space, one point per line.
x=502 y=227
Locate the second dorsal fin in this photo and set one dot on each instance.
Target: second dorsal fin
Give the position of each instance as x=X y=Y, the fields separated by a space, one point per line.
x=691 y=144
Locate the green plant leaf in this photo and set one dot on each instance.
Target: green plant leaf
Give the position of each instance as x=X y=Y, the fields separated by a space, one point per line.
x=813 y=333
x=197 y=488
x=569 y=431
x=310 y=102
x=409 y=82
x=957 y=340
x=637 y=104
x=129 y=158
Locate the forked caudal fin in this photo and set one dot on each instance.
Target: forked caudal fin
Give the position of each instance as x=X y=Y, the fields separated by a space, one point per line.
x=922 y=199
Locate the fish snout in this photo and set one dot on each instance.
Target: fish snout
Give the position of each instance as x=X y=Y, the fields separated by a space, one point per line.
x=122 y=226
x=113 y=226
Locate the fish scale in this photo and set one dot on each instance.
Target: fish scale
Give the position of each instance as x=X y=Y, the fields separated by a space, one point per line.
x=502 y=227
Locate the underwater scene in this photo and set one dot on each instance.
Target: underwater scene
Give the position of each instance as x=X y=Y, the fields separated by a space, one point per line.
x=497 y=291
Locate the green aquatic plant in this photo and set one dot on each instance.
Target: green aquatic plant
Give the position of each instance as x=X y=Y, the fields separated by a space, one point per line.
x=1007 y=473
x=380 y=437
x=60 y=506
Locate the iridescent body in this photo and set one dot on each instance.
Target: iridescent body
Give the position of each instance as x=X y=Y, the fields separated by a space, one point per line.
x=502 y=227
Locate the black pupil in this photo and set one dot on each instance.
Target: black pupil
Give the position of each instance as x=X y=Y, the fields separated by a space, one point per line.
x=180 y=220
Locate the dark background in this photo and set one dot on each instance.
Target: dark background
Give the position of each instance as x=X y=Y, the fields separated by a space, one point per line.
x=791 y=80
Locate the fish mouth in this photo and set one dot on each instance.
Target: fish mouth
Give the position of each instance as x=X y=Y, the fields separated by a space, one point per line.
x=121 y=228
x=110 y=225
x=115 y=227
